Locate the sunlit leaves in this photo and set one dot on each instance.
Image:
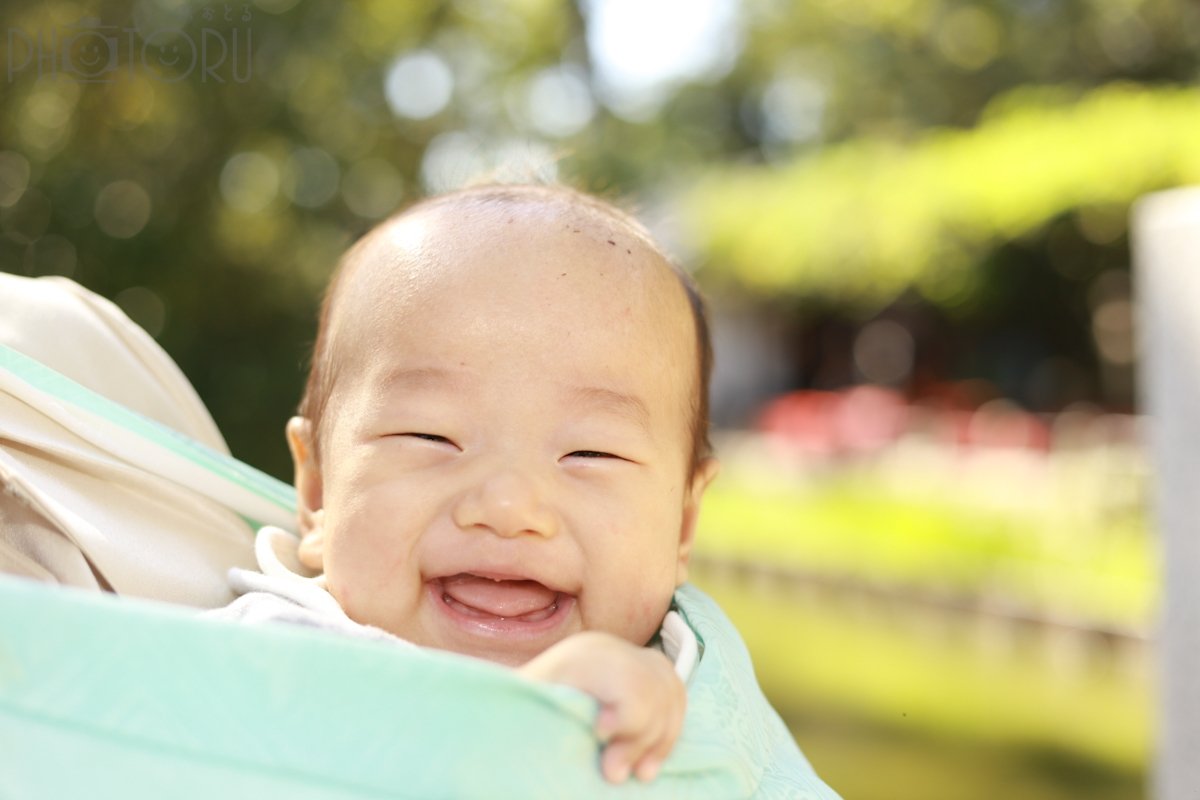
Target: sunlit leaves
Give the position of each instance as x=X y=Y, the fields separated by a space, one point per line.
x=865 y=219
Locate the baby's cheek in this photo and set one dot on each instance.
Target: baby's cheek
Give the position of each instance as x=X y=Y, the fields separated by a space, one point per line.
x=647 y=598
x=647 y=620
x=358 y=566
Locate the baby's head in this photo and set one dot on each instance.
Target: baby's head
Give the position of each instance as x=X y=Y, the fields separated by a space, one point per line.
x=504 y=436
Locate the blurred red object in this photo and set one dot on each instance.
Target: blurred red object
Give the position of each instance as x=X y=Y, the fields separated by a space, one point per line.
x=1001 y=424
x=865 y=419
x=857 y=420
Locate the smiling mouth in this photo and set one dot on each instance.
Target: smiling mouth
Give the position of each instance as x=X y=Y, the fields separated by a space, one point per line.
x=495 y=599
x=532 y=616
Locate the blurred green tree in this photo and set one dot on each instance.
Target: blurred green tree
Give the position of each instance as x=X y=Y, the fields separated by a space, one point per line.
x=204 y=164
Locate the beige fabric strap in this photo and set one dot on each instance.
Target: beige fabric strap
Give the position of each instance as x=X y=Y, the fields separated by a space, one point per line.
x=74 y=511
x=30 y=546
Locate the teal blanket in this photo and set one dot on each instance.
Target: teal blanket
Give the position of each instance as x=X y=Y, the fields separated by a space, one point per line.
x=109 y=697
x=103 y=696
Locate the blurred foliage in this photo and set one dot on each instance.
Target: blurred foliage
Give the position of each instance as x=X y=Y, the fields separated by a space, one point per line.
x=866 y=219
x=972 y=623
x=920 y=767
x=1062 y=537
x=212 y=205
x=891 y=68
x=920 y=691
x=251 y=188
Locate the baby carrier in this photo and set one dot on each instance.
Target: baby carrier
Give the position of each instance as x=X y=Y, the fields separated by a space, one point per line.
x=122 y=504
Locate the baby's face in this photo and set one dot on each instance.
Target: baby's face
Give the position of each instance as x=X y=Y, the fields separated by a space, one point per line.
x=504 y=455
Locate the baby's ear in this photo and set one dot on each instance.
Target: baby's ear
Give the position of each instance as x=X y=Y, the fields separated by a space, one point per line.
x=705 y=472
x=306 y=470
x=311 y=550
x=310 y=514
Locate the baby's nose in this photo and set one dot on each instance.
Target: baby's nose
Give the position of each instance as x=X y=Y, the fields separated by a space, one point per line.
x=509 y=504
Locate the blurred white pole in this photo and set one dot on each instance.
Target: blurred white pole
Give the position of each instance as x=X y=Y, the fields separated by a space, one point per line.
x=1166 y=242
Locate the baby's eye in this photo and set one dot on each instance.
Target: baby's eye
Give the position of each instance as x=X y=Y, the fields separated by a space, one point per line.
x=591 y=454
x=428 y=437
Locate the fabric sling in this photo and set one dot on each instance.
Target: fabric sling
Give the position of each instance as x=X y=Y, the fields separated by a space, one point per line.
x=122 y=695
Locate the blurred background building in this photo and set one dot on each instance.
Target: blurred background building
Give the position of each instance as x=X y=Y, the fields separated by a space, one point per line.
x=910 y=217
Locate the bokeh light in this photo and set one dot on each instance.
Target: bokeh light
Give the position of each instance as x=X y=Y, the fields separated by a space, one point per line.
x=418 y=85
x=559 y=102
x=311 y=178
x=145 y=307
x=28 y=218
x=14 y=177
x=249 y=182
x=122 y=209
x=643 y=47
x=372 y=188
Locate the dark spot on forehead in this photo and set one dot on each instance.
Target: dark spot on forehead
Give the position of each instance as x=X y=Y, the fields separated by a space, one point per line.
x=610 y=241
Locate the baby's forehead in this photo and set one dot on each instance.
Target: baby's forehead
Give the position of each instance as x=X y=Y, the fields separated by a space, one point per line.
x=460 y=243
x=577 y=276
x=554 y=263
x=438 y=228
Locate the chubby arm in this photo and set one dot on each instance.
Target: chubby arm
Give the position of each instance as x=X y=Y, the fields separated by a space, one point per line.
x=642 y=700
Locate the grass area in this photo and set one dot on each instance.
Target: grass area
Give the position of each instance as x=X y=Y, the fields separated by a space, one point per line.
x=867 y=762
x=894 y=700
x=890 y=703
x=1041 y=547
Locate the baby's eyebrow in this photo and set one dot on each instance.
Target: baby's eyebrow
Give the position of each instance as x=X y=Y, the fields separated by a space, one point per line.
x=619 y=403
x=423 y=378
x=599 y=398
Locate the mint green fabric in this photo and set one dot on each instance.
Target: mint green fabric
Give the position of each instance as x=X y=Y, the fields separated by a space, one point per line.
x=109 y=697
x=125 y=698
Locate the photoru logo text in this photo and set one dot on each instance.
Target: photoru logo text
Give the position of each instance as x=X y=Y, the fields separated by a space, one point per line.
x=91 y=52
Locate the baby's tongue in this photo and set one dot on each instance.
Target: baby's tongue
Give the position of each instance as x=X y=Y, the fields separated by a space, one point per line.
x=500 y=598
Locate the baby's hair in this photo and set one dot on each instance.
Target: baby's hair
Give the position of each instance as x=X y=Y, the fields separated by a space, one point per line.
x=322 y=371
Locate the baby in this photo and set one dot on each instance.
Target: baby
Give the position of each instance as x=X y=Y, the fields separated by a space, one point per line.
x=502 y=446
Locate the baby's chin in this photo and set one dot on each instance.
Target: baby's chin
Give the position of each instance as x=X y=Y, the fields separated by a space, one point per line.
x=505 y=654
x=505 y=658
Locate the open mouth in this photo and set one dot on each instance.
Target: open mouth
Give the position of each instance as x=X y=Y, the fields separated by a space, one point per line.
x=500 y=605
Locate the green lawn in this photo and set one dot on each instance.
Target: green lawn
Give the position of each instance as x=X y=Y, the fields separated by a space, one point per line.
x=894 y=703
x=1082 y=561
x=893 y=699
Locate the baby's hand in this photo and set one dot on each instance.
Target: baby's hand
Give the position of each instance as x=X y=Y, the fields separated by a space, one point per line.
x=642 y=700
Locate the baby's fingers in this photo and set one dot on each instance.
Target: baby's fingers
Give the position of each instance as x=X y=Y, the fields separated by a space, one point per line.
x=647 y=767
x=607 y=723
x=644 y=744
x=621 y=755
x=616 y=762
x=631 y=720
